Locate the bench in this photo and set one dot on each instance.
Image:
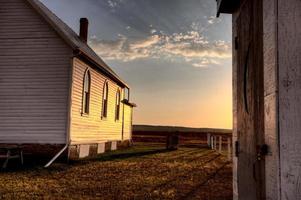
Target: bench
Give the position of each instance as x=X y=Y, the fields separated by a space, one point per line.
x=11 y=152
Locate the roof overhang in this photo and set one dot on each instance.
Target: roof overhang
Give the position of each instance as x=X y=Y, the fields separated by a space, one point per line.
x=227 y=6
x=80 y=54
x=125 y=101
x=80 y=48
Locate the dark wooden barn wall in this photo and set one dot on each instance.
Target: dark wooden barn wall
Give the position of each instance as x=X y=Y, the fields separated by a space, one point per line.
x=249 y=100
x=289 y=49
x=234 y=90
x=282 y=101
x=272 y=186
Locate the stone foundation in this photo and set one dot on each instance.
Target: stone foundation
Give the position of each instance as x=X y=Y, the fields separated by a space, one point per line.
x=80 y=151
x=74 y=152
x=41 y=151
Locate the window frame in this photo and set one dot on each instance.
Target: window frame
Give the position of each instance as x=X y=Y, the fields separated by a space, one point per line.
x=118 y=105
x=105 y=101
x=86 y=97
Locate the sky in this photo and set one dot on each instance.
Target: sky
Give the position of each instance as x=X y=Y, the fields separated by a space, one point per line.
x=175 y=55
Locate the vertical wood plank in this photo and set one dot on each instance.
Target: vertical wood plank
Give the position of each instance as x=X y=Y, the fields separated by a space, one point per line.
x=234 y=103
x=272 y=172
x=249 y=98
x=289 y=43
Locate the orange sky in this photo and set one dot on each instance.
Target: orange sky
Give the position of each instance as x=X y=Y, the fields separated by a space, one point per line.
x=175 y=55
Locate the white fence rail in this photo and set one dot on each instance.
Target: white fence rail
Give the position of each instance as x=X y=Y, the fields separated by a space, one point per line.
x=220 y=143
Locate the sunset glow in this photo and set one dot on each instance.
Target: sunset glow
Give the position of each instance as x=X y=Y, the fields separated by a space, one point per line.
x=175 y=55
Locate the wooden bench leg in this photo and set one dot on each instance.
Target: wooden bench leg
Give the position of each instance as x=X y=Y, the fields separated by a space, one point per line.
x=6 y=161
x=21 y=157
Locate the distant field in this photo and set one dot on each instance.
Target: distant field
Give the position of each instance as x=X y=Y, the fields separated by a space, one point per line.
x=146 y=133
x=150 y=128
x=145 y=171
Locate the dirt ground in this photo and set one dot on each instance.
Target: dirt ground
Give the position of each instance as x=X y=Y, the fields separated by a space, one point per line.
x=142 y=172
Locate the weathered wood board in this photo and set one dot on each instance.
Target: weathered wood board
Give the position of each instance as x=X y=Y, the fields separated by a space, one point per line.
x=289 y=50
x=270 y=114
x=271 y=99
x=249 y=98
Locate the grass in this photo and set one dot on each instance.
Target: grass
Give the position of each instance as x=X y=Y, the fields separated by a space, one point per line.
x=140 y=172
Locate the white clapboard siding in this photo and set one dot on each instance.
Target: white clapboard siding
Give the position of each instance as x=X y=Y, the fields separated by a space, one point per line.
x=34 y=77
x=127 y=135
x=92 y=128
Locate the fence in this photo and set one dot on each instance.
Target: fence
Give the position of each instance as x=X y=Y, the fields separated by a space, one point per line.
x=216 y=139
x=186 y=138
x=220 y=143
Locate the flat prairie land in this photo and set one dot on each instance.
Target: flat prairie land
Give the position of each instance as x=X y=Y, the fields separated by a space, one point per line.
x=144 y=171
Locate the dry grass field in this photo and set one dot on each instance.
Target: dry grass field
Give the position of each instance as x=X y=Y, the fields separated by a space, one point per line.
x=144 y=171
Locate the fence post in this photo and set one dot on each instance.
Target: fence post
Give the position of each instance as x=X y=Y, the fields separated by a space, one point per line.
x=215 y=141
x=229 y=148
x=212 y=142
x=220 y=144
x=208 y=139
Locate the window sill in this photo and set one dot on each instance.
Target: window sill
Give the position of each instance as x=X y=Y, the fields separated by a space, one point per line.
x=84 y=114
x=104 y=118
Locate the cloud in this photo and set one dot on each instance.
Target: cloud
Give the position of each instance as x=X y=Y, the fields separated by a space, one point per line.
x=145 y=43
x=153 y=31
x=200 y=65
x=114 y=3
x=213 y=20
x=190 y=47
x=124 y=49
x=204 y=63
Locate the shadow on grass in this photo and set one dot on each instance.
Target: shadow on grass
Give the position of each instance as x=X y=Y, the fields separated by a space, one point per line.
x=134 y=152
x=194 y=146
x=119 y=155
x=32 y=164
x=36 y=164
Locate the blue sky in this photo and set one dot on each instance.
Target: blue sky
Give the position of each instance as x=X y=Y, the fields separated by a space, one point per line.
x=175 y=55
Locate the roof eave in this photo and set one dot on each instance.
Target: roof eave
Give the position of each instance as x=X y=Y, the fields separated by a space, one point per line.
x=227 y=6
x=52 y=24
x=40 y=8
x=79 y=53
x=125 y=101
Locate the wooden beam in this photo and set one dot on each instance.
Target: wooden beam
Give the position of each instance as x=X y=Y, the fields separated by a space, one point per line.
x=227 y=6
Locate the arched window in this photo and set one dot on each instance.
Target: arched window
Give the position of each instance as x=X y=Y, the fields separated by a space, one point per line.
x=117 y=114
x=86 y=92
x=105 y=100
